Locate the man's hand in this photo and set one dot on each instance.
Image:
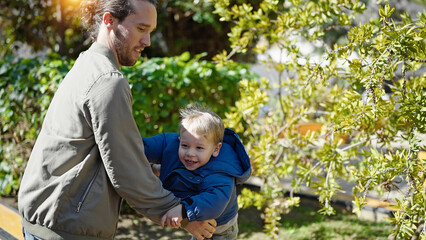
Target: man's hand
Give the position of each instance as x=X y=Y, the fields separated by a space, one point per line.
x=201 y=229
x=173 y=217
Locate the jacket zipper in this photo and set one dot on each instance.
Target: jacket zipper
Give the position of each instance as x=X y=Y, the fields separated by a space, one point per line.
x=119 y=210
x=83 y=197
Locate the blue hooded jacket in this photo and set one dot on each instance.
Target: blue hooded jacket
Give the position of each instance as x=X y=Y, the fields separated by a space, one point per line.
x=208 y=192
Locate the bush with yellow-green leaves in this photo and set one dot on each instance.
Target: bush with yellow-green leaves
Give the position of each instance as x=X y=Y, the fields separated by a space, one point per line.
x=367 y=91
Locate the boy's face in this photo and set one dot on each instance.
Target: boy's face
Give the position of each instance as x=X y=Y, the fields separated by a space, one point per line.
x=195 y=150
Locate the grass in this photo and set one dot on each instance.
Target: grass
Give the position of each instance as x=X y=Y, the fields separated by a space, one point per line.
x=306 y=223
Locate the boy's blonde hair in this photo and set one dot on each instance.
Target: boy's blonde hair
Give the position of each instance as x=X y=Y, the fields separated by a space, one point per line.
x=202 y=121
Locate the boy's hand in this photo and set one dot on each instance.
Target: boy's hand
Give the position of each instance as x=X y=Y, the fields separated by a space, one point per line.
x=156 y=168
x=173 y=217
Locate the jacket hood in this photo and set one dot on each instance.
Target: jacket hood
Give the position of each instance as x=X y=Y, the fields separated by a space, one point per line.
x=232 y=159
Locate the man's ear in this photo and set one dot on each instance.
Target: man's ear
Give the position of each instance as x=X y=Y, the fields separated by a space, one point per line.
x=108 y=19
x=217 y=150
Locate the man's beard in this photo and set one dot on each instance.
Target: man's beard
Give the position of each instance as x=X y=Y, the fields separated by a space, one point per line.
x=122 y=50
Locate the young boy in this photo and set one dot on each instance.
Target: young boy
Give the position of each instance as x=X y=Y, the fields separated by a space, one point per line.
x=202 y=165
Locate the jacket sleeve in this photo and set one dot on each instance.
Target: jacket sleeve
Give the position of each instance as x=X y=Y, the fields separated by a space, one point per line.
x=154 y=147
x=109 y=102
x=212 y=201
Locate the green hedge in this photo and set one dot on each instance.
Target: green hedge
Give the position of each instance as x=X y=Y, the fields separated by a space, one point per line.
x=160 y=87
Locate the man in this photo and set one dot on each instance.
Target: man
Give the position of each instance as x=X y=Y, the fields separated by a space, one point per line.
x=88 y=154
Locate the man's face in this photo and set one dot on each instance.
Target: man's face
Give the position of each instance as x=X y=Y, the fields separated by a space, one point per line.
x=196 y=150
x=132 y=35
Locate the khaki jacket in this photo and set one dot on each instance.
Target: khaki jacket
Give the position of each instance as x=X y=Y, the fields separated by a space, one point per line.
x=88 y=156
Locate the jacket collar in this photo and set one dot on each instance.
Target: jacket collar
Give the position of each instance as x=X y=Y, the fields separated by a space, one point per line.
x=105 y=51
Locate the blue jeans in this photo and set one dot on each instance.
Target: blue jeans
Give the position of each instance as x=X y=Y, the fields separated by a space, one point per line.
x=29 y=236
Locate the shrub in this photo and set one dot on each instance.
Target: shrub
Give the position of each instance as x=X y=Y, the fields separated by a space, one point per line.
x=160 y=87
x=26 y=89
x=163 y=85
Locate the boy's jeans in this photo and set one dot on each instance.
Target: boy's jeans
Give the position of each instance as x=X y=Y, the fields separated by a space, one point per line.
x=29 y=236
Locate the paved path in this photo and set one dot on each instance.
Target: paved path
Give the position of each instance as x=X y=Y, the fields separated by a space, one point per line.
x=10 y=223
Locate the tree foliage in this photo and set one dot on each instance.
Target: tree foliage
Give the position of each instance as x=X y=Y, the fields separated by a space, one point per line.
x=187 y=25
x=55 y=26
x=46 y=24
x=366 y=92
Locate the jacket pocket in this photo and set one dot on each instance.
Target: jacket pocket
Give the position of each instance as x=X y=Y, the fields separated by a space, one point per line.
x=86 y=191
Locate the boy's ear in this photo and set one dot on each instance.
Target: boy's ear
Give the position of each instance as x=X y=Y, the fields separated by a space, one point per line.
x=217 y=150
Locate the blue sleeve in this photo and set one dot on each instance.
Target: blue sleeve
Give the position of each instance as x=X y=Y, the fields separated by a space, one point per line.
x=154 y=147
x=211 y=202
